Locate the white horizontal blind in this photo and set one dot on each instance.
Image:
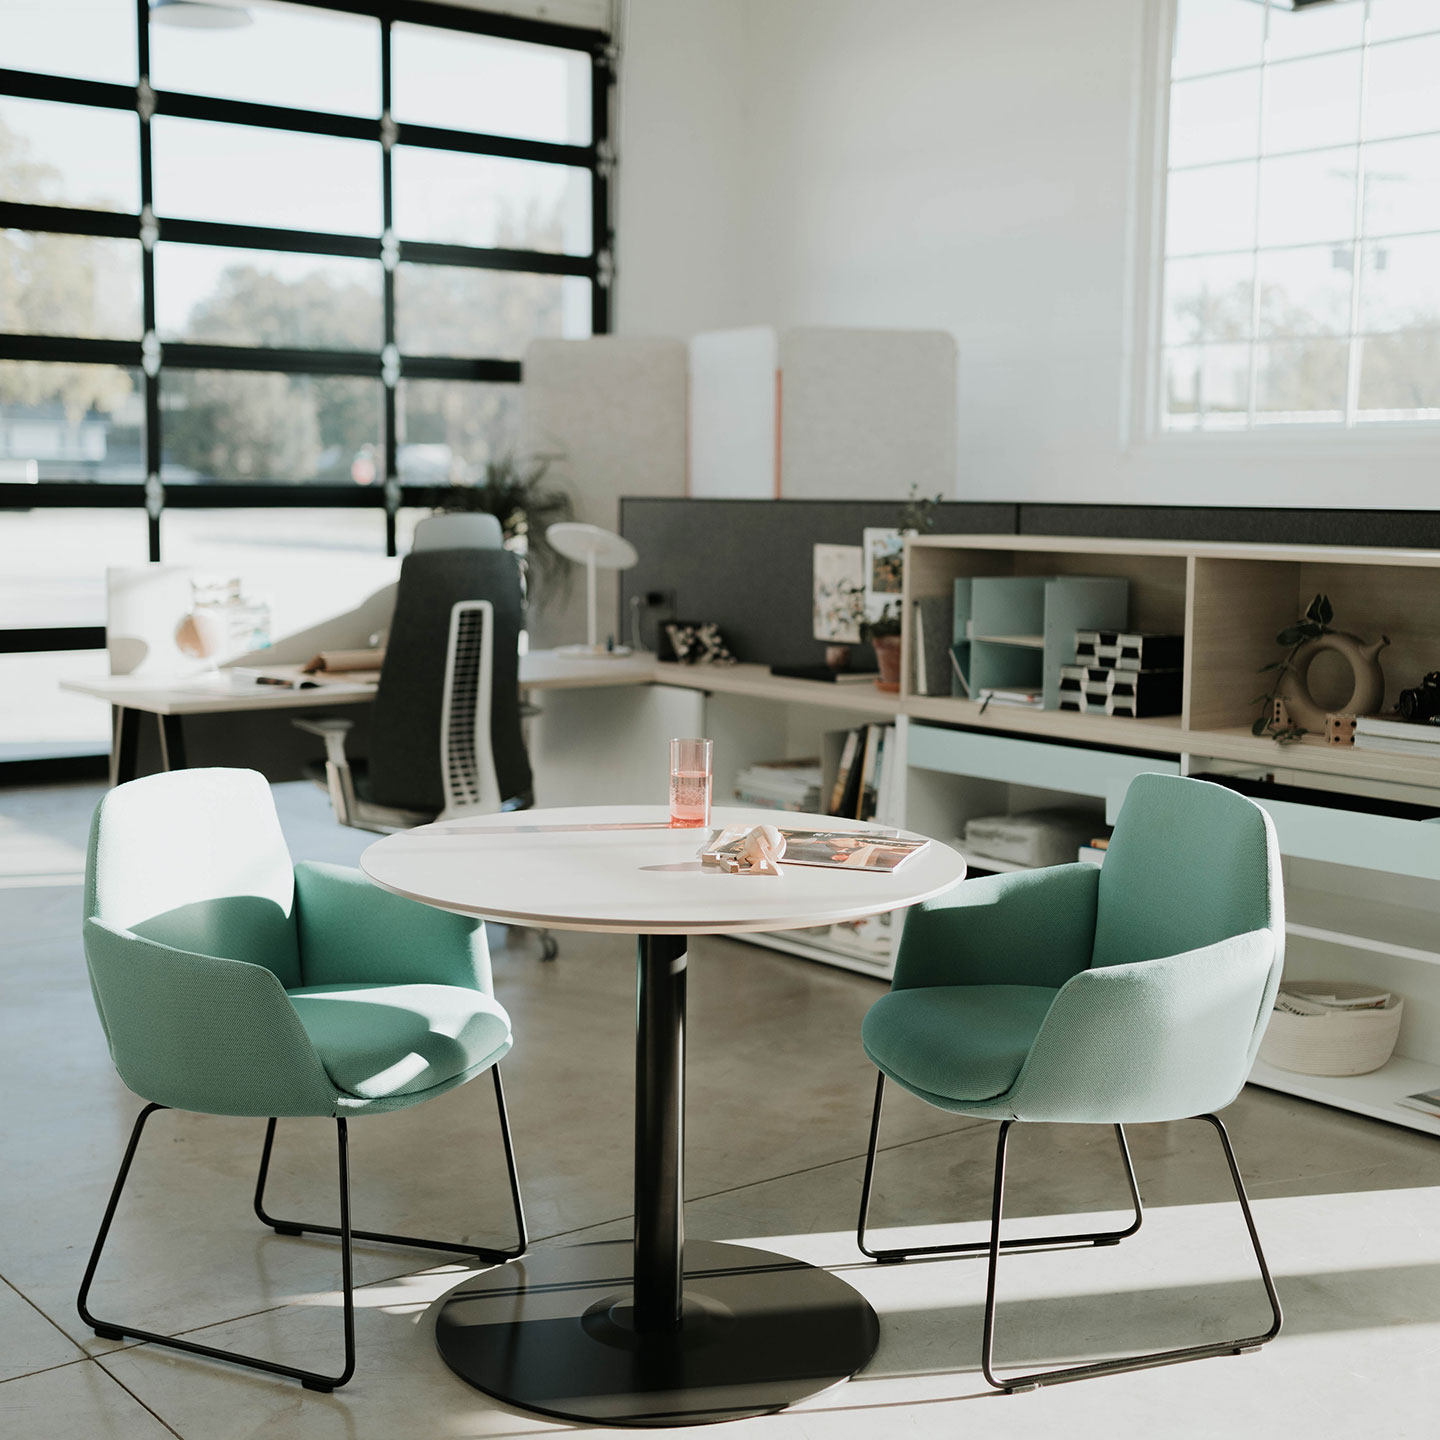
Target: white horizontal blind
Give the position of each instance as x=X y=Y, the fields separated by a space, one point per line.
x=1302 y=215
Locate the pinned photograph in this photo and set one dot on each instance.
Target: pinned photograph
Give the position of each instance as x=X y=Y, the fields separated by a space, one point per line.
x=839 y=593
x=884 y=569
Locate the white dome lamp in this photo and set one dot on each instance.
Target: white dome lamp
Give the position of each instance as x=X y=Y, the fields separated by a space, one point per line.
x=199 y=15
x=599 y=550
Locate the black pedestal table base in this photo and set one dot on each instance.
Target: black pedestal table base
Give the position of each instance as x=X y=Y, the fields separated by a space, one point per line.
x=555 y=1333
x=655 y=1332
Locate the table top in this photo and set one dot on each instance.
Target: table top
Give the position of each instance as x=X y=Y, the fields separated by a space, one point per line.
x=539 y=670
x=212 y=692
x=636 y=881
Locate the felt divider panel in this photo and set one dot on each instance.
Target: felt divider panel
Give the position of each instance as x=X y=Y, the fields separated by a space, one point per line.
x=734 y=414
x=746 y=564
x=611 y=411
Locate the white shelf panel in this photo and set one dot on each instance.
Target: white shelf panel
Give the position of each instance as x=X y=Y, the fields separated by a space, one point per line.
x=996 y=867
x=809 y=950
x=1384 y=929
x=1033 y=642
x=1373 y=1094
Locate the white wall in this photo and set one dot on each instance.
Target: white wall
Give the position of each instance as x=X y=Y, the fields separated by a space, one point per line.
x=961 y=164
x=681 y=194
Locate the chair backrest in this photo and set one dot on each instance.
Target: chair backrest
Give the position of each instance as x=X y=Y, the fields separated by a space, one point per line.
x=465 y=531
x=195 y=859
x=1190 y=863
x=407 y=766
x=469 y=776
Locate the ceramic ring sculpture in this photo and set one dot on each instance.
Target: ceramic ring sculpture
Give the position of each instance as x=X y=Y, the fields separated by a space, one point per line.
x=1369 y=689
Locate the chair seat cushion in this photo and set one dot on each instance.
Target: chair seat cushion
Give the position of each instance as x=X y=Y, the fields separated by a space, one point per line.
x=382 y=1040
x=956 y=1042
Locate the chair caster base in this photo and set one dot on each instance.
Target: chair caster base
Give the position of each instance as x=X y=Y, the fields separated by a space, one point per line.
x=318 y=1386
x=287 y=1229
x=105 y=1332
x=1246 y=1350
x=1099 y=1243
x=1020 y=1389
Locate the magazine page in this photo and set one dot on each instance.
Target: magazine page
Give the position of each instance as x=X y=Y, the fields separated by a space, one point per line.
x=831 y=849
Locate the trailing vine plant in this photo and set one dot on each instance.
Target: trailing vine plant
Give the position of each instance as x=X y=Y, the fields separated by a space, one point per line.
x=1311 y=626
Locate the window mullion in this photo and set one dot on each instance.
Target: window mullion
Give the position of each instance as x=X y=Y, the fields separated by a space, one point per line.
x=1353 y=345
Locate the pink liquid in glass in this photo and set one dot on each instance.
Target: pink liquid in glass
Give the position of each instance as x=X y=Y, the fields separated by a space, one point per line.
x=689 y=799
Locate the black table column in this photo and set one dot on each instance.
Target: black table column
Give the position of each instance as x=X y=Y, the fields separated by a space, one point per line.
x=660 y=1132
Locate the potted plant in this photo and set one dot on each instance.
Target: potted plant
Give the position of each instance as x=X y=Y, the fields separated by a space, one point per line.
x=883 y=632
x=513 y=490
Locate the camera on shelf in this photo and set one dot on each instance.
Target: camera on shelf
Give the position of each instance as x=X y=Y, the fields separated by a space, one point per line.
x=1423 y=702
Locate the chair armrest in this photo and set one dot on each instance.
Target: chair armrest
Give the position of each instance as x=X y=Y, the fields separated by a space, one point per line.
x=353 y=932
x=1156 y=1040
x=197 y=1032
x=1032 y=928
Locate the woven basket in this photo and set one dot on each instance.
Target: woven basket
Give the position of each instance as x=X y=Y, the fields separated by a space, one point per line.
x=1340 y=1042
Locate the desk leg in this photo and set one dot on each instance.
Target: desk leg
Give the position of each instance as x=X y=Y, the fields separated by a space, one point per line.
x=125 y=746
x=172 y=743
x=652 y=1331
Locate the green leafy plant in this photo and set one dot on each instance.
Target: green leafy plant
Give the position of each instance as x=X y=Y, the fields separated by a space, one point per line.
x=514 y=490
x=1311 y=626
x=887 y=622
x=918 y=516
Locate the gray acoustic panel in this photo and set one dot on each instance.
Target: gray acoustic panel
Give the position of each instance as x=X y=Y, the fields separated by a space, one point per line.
x=746 y=564
x=1416 y=529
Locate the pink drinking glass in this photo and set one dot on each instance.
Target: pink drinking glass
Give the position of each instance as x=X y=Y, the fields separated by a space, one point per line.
x=689 y=784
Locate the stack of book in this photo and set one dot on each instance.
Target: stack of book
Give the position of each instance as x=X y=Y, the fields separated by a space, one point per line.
x=1397 y=736
x=781 y=785
x=867 y=779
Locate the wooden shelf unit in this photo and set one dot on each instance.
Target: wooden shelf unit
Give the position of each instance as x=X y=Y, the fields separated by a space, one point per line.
x=1229 y=601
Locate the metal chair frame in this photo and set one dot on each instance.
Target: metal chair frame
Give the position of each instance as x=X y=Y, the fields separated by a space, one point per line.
x=310 y=1379
x=994 y=1245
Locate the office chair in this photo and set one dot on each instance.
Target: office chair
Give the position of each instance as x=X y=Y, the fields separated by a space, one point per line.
x=229 y=982
x=1134 y=993
x=445 y=732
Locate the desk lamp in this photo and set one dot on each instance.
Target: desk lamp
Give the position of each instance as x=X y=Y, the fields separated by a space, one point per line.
x=599 y=549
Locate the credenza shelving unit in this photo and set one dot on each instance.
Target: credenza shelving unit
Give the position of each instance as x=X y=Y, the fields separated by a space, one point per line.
x=1363 y=889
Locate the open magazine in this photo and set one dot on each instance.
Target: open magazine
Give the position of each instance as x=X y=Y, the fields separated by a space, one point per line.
x=877 y=851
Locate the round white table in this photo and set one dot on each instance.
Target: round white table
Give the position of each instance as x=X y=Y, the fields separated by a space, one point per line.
x=649 y=1332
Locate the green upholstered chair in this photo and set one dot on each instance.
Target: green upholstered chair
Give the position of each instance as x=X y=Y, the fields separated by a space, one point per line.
x=1123 y=995
x=230 y=982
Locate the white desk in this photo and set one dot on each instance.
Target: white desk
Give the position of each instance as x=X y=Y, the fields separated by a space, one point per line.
x=620 y=1332
x=225 y=693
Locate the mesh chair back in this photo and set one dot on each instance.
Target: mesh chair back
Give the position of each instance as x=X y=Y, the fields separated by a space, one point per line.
x=469 y=778
x=406 y=765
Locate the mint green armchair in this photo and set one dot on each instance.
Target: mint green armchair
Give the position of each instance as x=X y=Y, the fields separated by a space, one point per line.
x=1134 y=993
x=230 y=982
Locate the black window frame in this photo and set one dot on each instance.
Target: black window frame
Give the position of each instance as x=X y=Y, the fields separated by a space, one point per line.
x=143 y=101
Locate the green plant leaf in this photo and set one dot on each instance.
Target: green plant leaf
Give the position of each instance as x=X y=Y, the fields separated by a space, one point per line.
x=1273 y=665
x=1259 y=727
x=1327 y=610
x=1292 y=635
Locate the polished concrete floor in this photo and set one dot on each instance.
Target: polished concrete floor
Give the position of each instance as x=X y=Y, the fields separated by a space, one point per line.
x=1349 y=1210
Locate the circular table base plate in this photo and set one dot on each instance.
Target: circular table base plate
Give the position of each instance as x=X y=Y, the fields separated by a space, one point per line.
x=554 y=1333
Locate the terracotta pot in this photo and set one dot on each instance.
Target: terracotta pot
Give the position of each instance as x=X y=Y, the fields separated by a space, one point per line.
x=887 y=656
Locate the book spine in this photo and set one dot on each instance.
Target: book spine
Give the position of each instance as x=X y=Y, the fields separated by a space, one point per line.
x=842 y=774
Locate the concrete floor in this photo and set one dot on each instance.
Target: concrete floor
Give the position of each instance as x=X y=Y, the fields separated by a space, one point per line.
x=1349 y=1210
